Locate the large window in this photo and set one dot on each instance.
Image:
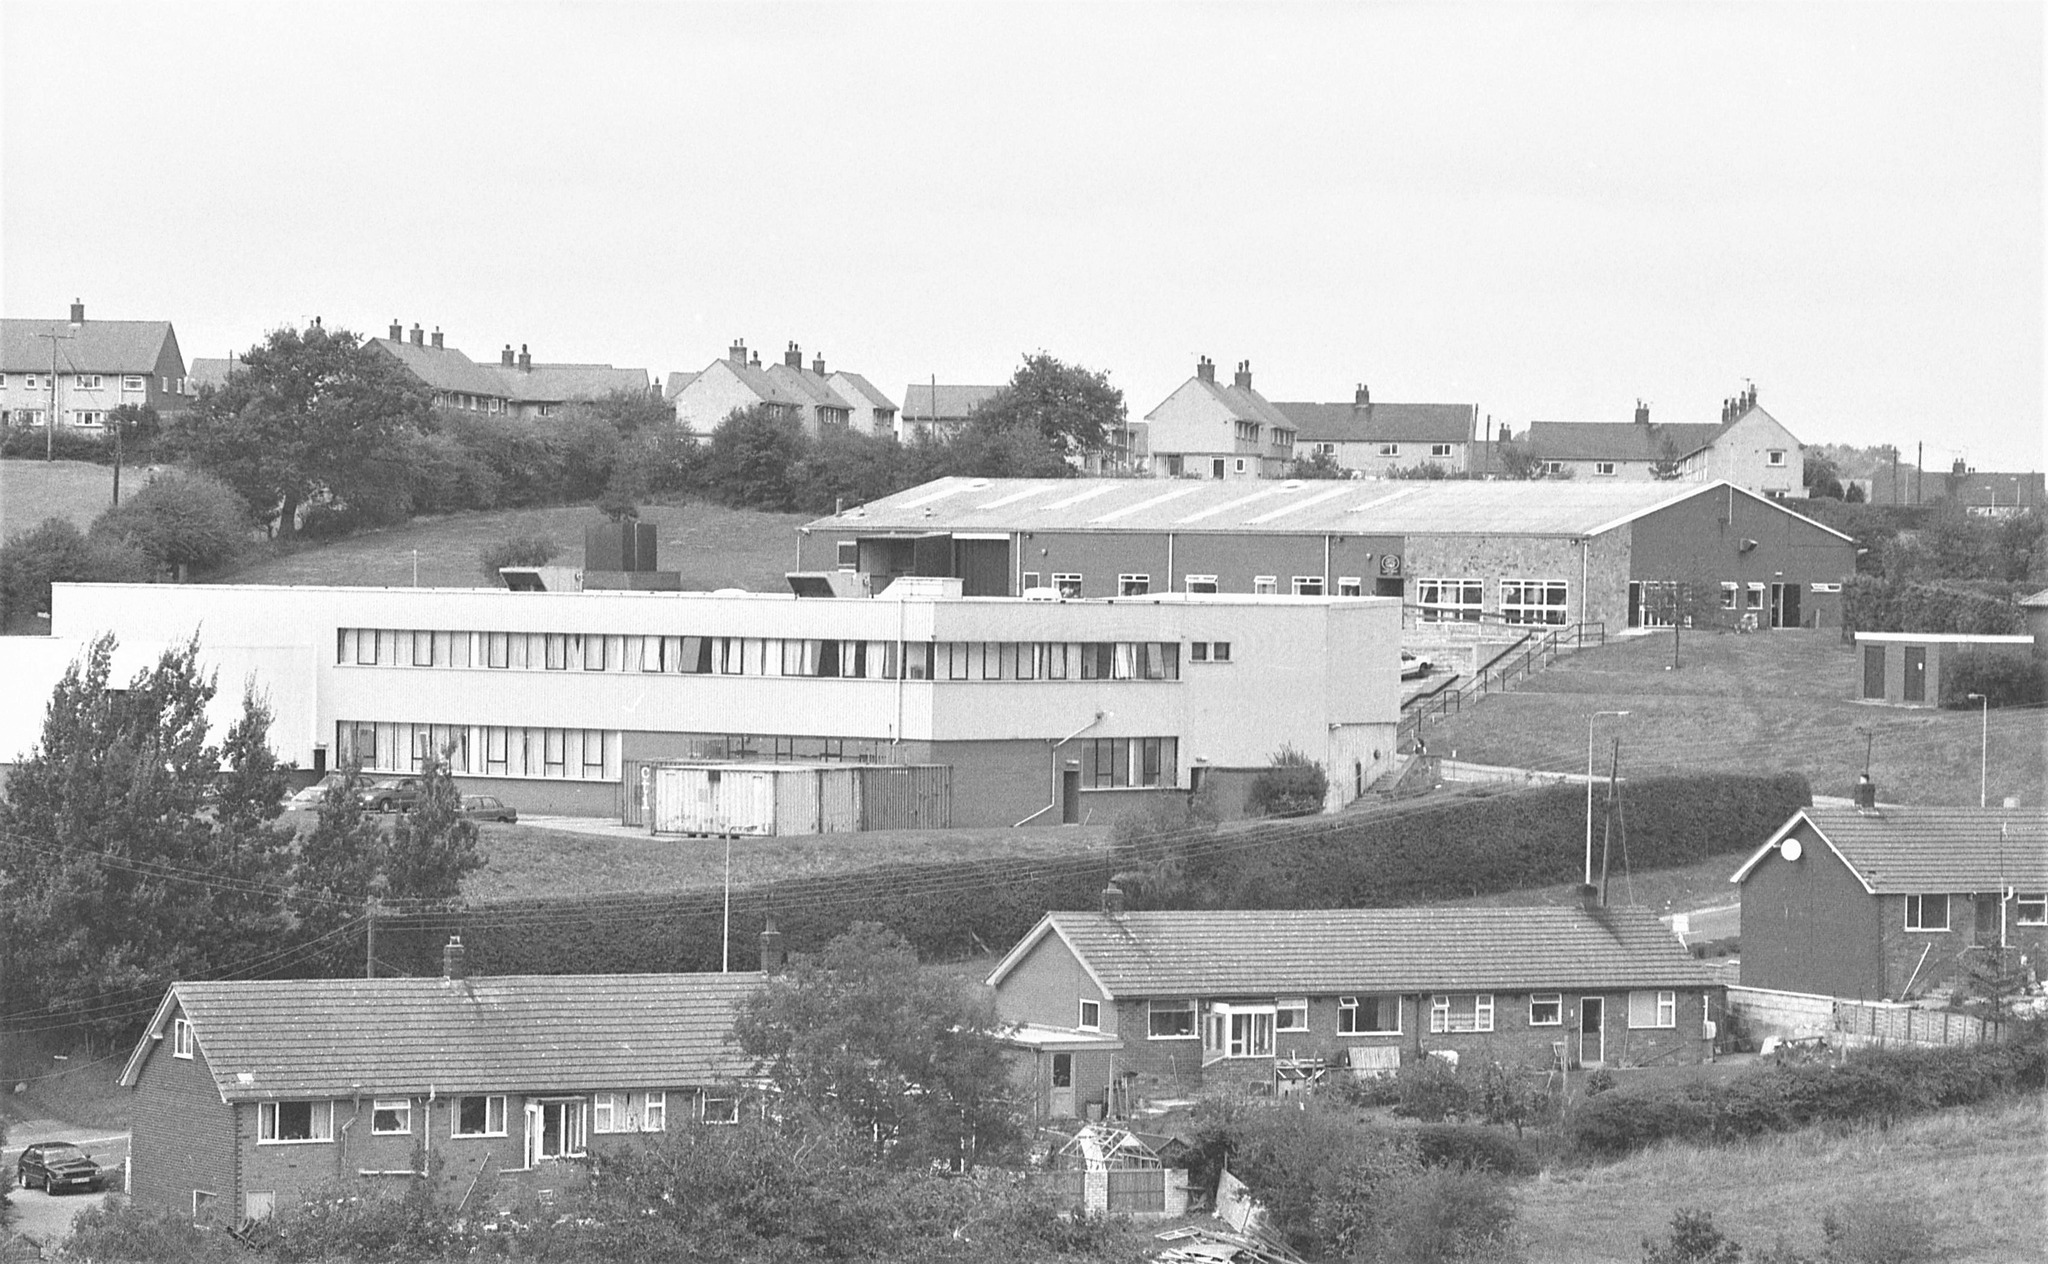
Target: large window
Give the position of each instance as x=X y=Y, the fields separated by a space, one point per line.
x=1653 y=1009
x=2031 y=908
x=1546 y=1009
x=1308 y=585
x=1067 y=583
x=1926 y=912
x=1112 y=762
x=1133 y=585
x=479 y=1116
x=1291 y=1013
x=1239 y=1031
x=1532 y=601
x=481 y=750
x=1369 y=1015
x=1449 y=600
x=1464 y=1012
x=391 y=1117
x=1170 y=1020
x=561 y=1128
x=280 y=1123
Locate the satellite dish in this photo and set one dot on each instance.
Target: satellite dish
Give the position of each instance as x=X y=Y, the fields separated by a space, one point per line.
x=1790 y=849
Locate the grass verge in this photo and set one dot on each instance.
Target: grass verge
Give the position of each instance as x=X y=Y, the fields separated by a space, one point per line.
x=79 y=491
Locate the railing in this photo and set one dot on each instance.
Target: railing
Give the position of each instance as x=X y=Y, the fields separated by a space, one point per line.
x=1536 y=649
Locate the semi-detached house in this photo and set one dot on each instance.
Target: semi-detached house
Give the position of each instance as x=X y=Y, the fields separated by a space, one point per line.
x=81 y=370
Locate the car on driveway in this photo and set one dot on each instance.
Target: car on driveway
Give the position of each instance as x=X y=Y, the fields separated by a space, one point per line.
x=391 y=794
x=55 y=1167
x=487 y=807
x=1414 y=666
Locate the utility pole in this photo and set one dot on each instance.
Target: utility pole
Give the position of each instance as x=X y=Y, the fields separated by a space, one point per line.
x=1589 y=789
x=1607 y=817
x=370 y=939
x=1983 y=702
x=50 y=422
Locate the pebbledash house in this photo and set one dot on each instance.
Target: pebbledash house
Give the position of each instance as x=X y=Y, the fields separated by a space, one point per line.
x=256 y=1095
x=1111 y=1007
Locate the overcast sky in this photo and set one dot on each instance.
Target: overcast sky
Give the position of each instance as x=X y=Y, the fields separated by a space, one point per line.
x=1546 y=210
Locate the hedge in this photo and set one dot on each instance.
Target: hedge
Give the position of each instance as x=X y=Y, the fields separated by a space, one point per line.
x=1467 y=847
x=2008 y=677
x=1879 y=605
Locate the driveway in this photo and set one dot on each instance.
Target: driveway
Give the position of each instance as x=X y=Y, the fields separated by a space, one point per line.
x=47 y=1217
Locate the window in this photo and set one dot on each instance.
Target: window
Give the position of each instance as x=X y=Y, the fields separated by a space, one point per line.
x=1170 y=1020
x=1546 y=1009
x=1926 y=912
x=1291 y=1013
x=561 y=1128
x=423 y=649
x=31 y=383
x=480 y=1116
x=1449 y=600
x=1240 y=465
x=1369 y=1015
x=1308 y=585
x=202 y=1206
x=1439 y=449
x=181 y=1038
x=1532 y=601
x=1756 y=597
x=89 y=418
x=654 y=1112
x=1091 y=1015
x=1653 y=1009
x=87 y=382
x=721 y=1108
x=1029 y=581
x=1389 y=449
x=258 y=1206
x=1201 y=583
x=1133 y=585
x=1219 y=651
x=391 y=1117
x=1553 y=467
x=594 y=657
x=1067 y=584
x=610 y=1112
x=1472 y=1012
x=280 y=1123
x=1114 y=762
x=1350 y=586
x=1775 y=458
x=1268 y=584
x=1239 y=1031
x=2030 y=908
x=1728 y=591
x=132 y=382
x=1603 y=467
x=1198 y=651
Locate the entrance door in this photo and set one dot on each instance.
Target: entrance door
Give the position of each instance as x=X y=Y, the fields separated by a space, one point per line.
x=1070 y=796
x=1216 y=468
x=1061 y=1101
x=1592 y=1031
x=1916 y=674
x=1987 y=921
x=1784 y=605
x=1635 y=603
x=1873 y=671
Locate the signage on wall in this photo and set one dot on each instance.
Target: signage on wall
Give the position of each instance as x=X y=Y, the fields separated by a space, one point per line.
x=1390 y=564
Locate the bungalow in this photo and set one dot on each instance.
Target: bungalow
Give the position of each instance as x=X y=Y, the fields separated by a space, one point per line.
x=1159 y=1003
x=258 y=1093
x=1883 y=903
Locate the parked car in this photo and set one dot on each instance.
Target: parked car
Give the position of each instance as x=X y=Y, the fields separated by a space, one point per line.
x=56 y=1166
x=387 y=794
x=1414 y=666
x=487 y=807
x=310 y=796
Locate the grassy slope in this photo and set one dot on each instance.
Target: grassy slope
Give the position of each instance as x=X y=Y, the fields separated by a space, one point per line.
x=31 y=491
x=714 y=547
x=1765 y=703
x=1974 y=1177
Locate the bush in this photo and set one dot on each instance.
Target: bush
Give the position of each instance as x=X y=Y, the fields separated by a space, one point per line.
x=1430 y=1089
x=1151 y=844
x=118 y=1232
x=1320 y=1171
x=1898 y=605
x=1447 y=1216
x=1292 y=785
x=67 y=444
x=1473 y=1146
x=1693 y=1240
x=2008 y=678
x=57 y=552
x=520 y=550
x=180 y=520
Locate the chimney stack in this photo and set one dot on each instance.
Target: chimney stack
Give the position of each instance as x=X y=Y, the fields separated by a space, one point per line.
x=453 y=966
x=1113 y=900
x=397 y=330
x=738 y=352
x=1362 y=397
x=437 y=336
x=1243 y=380
x=1642 y=413
x=525 y=359
x=419 y=336
x=757 y=360
x=77 y=312
x=1205 y=369
x=794 y=357
x=1866 y=794
x=773 y=955
x=818 y=365
x=505 y=356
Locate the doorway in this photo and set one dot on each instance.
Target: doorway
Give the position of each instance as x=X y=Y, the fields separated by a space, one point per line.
x=1784 y=605
x=1592 y=1031
x=1216 y=468
x=1070 y=796
x=1061 y=1103
x=1915 y=684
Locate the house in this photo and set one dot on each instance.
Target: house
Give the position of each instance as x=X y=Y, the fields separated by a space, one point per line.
x=1906 y=667
x=1748 y=448
x=938 y=411
x=1044 y=711
x=514 y=386
x=1207 y=430
x=214 y=371
x=1469 y=558
x=1985 y=493
x=871 y=412
x=1373 y=440
x=1884 y=902
x=80 y=370
x=1162 y=1003
x=811 y=397
x=256 y=1094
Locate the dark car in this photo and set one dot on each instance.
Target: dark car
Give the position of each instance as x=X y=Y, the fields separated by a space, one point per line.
x=56 y=1166
x=487 y=807
x=387 y=794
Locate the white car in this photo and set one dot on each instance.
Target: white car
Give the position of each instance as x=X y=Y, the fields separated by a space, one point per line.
x=1414 y=666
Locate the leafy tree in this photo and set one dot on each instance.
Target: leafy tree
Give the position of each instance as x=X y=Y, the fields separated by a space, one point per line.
x=1073 y=410
x=58 y=552
x=845 y=466
x=1292 y=785
x=906 y=1062
x=1669 y=462
x=433 y=846
x=1317 y=464
x=179 y=520
x=1518 y=460
x=630 y=413
x=521 y=550
x=317 y=413
x=620 y=499
x=1822 y=477
x=755 y=454
x=1693 y=1240
x=990 y=449
x=340 y=870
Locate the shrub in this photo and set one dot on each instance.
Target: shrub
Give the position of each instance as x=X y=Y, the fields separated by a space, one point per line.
x=66 y=445
x=1472 y=1146
x=119 y=1232
x=1875 y=1233
x=2008 y=678
x=1151 y=844
x=1430 y=1089
x=1292 y=785
x=520 y=550
x=1318 y=1171
x=57 y=552
x=1693 y=1240
x=180 y=520
x=1900 y=605
x=1447 y=1216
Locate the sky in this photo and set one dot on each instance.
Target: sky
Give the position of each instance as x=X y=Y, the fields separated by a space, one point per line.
x=1546 y=210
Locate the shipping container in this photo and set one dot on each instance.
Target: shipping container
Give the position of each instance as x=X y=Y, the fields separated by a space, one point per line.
x=906 y=796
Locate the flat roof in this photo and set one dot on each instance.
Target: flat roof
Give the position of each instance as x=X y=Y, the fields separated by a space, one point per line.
x=1945 y=638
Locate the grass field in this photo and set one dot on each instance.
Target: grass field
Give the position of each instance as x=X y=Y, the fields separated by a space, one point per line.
x=1974 y=1177
x=1765 y=703
x=713 y=547
x=31 y=491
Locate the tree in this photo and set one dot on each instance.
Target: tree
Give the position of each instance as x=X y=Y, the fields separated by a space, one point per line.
x=533 y=549
x=907 y=1062
x=340 y=870
x=1669 y=463
x=179 y=521
x=1074 y=411
x=434 y=846
x=755 y=454
x=1821 y=476
x=58 y=552
x=1317 y=464
x=315 y=414
x=1291 y=785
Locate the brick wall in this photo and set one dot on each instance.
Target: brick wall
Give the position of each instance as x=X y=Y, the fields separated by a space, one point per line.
x=183 y=1136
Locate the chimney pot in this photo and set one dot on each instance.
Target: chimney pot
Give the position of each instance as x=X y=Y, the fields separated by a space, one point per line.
x=437 y=336
x=773 y=955
x=1113 y=900
x=1205 y=369
x=793 y=357
x=397 y=331
x=453 y=964
x=1362 y=396
x=818 y=365
x=757 y=359
x=505 y=356
x=1866 y=794
x=737 y=353
x=77 y=312
x=419 y=336
x=525 y=359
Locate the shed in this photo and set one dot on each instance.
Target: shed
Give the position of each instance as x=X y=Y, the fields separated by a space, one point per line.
x=1905 y=667
x=760 y=799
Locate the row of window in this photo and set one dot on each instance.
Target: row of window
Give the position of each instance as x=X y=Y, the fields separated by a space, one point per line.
x=1111 y=762
x=563 y=1121
x=1246 y=1030
x=1068 y=584
x=1930 y=912
x=81 y=382
x=761 y=656
x=482 y=750
x=1440 y=600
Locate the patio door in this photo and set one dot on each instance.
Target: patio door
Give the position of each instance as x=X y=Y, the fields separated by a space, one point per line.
x=1784 y=605
x=1592 y=1031
x=1061 y=1102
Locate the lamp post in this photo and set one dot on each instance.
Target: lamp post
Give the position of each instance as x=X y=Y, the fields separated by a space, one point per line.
x=1983 y=746
x=1589 y=789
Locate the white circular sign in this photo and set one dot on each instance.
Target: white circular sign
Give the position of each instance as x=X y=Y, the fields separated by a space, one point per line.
x=1790 y=849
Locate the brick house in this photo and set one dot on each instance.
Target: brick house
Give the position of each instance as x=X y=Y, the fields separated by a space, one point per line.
x=258 y=1093
x=1747 y=447
x=81 y=370
x=1208 y=430
x=1260 y=996
x=1883 y=902
x=1375 y=439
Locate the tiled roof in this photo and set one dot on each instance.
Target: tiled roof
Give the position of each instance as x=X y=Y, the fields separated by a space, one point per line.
x=1899 y=850
x=210 y=371
x=1617 y=440
x=949 y=403
x=861 y=385
x=97 y=346
x=556 y=383
x=676 y=383
x=1333 y=951
x=1244 y=404
x=315 y=1037
x=1381 y=423
x=444 y=368
x=807 y=386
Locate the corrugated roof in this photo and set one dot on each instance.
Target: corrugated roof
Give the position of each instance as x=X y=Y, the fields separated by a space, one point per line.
x=861 y=385
x=320 y=1037
x=97 y=346
x=1900 y=850
x=1335 y=951
x=558 y=383
x=1381 y=423
x=443 y=368
x=950 y=403
x=1617 y=440
x=1364 y=506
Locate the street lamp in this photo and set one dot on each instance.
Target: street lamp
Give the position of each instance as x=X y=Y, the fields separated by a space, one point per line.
x=1983 y=746
x=1589 y=789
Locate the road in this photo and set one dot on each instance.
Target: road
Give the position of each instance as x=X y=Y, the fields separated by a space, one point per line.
x=44 y=1217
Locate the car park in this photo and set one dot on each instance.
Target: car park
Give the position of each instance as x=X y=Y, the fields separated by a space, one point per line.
x=56 y=1167
x=391 y=794
x=487 y=807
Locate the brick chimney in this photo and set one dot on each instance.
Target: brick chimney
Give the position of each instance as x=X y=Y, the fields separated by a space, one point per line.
x=737 y=353
x=525 y=359
x=505 y=356
x=437 y=338
x=1362 y=397
x=818 y=365
x=77 y=313
x=453 y=965
x=419 y=336
x=397 y=330
x=757 y=360
x=793 y=357
x=1113 y=900
x=1205 y=369
x=1866 y=794
x=1243 y=380
x=773 y=955
x=1642 y=413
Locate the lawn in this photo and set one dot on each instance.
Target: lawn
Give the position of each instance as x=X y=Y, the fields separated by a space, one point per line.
x=1767 y=703
x=31 y=491
x=713 y=547
x=1974 y=1177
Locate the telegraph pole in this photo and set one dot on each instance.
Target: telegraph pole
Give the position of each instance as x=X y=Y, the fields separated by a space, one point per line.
x=50 y=422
